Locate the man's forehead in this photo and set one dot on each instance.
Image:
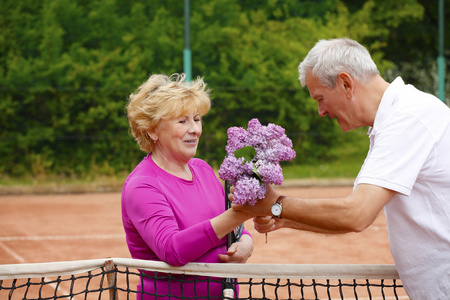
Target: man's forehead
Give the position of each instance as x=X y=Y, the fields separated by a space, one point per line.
x=311 y=79
x=313 y=84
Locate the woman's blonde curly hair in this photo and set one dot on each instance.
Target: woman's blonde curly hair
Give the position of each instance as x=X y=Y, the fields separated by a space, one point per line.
x=164 y=97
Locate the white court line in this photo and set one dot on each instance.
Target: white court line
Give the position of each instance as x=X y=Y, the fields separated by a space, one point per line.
x=61 y=237
x=98 y=236
x=20 y=259
x=11 y=252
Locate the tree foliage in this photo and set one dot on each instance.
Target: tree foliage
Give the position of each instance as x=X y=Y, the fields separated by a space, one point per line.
x=67 y=68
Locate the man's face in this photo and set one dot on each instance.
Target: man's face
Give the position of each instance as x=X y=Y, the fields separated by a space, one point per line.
x=332 y=102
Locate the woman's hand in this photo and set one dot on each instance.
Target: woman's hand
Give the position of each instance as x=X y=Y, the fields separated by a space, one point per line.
x=238 y=252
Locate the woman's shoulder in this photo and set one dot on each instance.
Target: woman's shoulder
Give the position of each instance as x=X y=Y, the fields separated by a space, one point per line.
x=144 y=173
x=197 y=162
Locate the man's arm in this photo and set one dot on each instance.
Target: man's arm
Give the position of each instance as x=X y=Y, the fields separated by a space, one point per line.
x=351 y=214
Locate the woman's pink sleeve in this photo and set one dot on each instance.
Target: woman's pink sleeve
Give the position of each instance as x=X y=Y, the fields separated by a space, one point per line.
x=154 y=220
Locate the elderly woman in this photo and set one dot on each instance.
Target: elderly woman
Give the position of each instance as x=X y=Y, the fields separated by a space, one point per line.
x=173 y=207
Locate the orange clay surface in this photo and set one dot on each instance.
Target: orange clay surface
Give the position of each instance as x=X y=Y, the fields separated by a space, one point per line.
x=65 y=227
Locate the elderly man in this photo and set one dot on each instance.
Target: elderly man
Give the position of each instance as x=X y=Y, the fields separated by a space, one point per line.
x=406 y=171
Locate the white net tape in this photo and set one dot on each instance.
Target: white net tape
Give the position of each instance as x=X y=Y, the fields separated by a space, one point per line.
x=293 y=271
x=117 y=278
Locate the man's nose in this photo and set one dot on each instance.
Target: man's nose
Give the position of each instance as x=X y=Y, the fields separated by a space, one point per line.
x=322 y=111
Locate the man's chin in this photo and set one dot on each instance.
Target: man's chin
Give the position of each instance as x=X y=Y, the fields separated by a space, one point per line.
x=344 y=127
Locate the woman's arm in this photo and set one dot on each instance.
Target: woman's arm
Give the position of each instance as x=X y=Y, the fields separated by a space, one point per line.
x=154 y=219
x=158 y=227
x=228 y=221
x=240 y=251
x=223 y=224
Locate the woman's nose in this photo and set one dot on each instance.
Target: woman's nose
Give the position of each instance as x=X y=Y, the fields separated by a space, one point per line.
x=195 y=127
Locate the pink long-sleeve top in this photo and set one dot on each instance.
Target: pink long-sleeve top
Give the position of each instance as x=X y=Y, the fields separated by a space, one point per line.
x=167 y=218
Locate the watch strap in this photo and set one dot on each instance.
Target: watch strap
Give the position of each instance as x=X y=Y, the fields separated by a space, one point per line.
x=280 y=199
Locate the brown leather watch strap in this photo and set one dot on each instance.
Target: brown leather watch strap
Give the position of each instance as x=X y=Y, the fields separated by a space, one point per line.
x=280 y=199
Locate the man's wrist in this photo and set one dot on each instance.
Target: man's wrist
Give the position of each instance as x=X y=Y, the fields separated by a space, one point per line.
x=277 y=207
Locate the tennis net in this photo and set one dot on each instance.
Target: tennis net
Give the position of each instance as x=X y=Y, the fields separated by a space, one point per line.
x=117 y=278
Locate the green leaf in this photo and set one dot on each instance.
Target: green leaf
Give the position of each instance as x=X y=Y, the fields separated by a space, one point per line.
x=247 y=152
x=256 y=175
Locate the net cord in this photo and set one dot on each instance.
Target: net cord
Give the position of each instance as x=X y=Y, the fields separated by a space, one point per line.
x=49 y=269
x=229 y=270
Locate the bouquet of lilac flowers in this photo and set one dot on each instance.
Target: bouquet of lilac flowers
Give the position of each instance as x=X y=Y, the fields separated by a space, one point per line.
x=253 y=159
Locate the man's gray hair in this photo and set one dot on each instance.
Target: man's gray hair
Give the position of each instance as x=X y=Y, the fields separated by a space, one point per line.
x=328 y=58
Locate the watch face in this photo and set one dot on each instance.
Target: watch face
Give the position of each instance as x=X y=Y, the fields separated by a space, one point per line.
x=276 y=210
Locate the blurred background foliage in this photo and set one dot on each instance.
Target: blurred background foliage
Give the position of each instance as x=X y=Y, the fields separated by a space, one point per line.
x=68 y=66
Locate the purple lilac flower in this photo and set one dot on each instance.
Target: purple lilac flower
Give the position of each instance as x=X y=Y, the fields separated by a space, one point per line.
x=286 y=141
x=271 y=146
x=270 y=172
x=273 y=132
x=277 y=152
x=237 y=137
x=232 y=168
x=254 y=127
x=248 y=190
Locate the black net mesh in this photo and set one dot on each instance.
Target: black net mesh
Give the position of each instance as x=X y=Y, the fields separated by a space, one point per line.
x=124 y=282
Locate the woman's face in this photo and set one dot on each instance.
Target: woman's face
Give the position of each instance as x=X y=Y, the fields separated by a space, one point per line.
x=177 y=139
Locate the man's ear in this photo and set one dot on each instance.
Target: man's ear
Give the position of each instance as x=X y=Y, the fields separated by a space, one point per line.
x=347 y=83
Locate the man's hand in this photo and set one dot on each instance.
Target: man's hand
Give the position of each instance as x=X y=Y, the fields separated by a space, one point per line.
x=265 y=224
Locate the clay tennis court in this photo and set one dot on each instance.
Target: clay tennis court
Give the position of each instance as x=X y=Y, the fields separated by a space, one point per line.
x=85 y=226
x=65 y=227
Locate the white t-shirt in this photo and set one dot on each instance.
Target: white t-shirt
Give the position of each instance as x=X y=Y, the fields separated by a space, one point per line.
x=410 y=154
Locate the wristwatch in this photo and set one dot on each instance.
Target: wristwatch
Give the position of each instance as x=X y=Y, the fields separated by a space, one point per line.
x=277 y=208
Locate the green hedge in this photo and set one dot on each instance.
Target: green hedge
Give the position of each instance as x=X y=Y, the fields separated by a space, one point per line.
x=67 y=67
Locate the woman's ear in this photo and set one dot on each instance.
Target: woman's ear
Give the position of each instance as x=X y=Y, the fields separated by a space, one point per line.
x=152 y=135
